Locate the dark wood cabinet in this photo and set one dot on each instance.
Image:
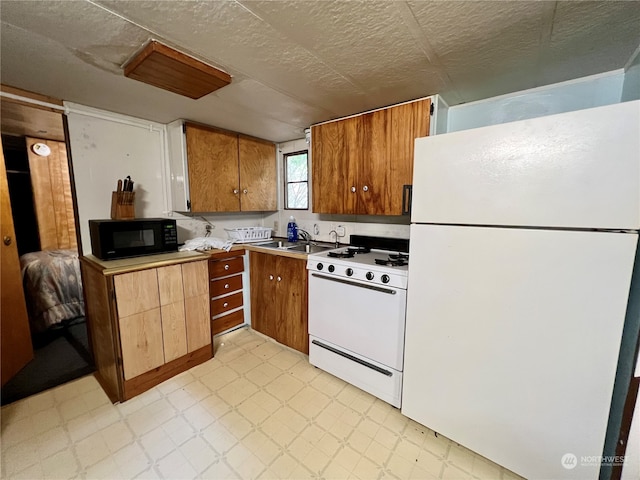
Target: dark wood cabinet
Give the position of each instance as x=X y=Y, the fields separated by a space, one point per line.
x=229 y=172
x=362 y=163
x=279 y=299
x=225 y=290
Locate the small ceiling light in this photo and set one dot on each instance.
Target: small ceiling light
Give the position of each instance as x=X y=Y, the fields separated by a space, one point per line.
x=41 y=149
x=164 y=67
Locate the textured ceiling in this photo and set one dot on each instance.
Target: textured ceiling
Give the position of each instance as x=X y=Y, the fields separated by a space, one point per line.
x=295 y=63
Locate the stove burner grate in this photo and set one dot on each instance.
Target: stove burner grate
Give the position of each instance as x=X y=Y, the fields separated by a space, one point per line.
x=350 y=252
x=346 y=254
x=394 y=260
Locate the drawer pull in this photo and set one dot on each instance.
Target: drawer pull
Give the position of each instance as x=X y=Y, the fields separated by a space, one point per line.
x=225 y=304
x=270 y=277
x=226 y=267
x=279 y=278
x=226 y=285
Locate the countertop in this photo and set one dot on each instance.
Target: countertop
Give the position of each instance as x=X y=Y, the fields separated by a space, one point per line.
x=113 y=267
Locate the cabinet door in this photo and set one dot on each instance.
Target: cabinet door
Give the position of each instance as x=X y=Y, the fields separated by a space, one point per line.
x=291 y=293
x=141 y=342
x=136 y=292
x=336 y=154
x=212 y=157
x=258 y=175
x=140 y=323
x=174 y=331
x=263 y=291
x=374 y=188
x=195 y=279
x=387 y=166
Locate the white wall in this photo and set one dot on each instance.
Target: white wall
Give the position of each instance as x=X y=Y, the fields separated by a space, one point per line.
x=106 y=147
x=631 y=86
x=587 y=92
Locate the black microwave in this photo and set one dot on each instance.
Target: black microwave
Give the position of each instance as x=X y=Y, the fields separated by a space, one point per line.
x=112 y=239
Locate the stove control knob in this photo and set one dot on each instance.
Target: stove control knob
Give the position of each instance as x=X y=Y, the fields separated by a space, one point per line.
x=319 y=266
x=385 y=279
x=349 y=272
x=369 y=275
x=332 y=268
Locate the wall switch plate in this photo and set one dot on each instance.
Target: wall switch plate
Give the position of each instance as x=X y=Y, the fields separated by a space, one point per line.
x=341 y=231
x=316 y=229
x=275 y=226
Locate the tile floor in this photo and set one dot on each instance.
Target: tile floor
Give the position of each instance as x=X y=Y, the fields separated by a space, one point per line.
x=257 y=410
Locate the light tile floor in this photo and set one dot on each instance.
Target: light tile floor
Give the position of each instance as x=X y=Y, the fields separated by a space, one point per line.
x=257 y=410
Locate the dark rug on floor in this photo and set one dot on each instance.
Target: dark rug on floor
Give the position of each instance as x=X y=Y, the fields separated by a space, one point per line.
x=60 y=355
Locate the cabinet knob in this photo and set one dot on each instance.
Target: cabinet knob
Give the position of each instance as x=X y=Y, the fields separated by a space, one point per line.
x=226 y=267
x=245 y=191
x=279 y=278
x=225 y=304
x=353 y=189
x=235 y=191
x=270 y=277
x=226 y=285
x=365 y=189
x=6 y=240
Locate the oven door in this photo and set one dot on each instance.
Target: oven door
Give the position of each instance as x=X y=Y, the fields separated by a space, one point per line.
x=365 y=319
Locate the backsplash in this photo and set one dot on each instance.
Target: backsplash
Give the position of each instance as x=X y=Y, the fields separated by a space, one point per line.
x=191 y=226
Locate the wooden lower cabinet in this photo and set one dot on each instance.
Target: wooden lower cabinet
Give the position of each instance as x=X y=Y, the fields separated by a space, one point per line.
x=147 y=325
x=279 y=299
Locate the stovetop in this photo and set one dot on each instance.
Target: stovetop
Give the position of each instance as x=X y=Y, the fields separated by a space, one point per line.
x=364 y=263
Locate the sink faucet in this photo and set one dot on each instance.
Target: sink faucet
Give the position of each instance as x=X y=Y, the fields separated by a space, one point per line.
x=306 y=236
x=337 y=242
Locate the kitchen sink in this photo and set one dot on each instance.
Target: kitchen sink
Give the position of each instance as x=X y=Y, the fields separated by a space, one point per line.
x=305 y=248
x=295 y=247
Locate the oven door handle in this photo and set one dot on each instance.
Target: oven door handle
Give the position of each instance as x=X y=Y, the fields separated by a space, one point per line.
x=355 y=284
x=352 y=358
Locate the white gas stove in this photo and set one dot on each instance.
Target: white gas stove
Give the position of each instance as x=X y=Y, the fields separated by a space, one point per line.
x=357 y=304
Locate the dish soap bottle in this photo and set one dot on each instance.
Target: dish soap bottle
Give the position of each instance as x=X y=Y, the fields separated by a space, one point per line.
x=292 y=230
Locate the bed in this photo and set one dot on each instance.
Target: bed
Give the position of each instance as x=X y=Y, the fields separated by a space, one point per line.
x=53 y=288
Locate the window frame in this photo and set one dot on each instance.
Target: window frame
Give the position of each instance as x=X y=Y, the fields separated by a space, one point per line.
x=285 y=156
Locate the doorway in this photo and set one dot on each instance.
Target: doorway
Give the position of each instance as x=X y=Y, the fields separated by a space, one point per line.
x=42 y=204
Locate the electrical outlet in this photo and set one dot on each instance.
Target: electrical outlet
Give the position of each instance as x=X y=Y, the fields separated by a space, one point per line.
x=275 y=226
x=341 y=230
x=316 y=229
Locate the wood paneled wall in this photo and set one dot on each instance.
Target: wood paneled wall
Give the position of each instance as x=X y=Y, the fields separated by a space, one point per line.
x=52 y=195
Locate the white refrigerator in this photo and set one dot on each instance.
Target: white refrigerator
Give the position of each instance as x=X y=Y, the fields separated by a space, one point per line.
x=524 y=238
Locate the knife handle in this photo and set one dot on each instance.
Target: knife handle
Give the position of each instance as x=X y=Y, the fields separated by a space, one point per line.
x=119 y=189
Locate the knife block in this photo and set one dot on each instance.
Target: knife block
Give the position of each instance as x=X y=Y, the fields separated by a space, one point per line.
x=122 y=206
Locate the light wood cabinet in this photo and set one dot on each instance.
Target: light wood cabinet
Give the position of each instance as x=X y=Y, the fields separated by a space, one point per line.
x=147 y=324
x=361 y=164
x=225 y=290
x=279 y=299
x=214 y=170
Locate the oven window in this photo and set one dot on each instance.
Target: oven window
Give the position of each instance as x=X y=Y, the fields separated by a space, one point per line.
x=133 y=238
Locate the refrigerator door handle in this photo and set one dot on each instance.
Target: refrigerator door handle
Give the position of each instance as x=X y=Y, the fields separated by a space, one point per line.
x=407 y=192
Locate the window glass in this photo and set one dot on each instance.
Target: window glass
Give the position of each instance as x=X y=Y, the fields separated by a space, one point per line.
x=296 y=169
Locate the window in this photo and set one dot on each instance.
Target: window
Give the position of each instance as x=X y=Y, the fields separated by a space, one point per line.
x=296 y=180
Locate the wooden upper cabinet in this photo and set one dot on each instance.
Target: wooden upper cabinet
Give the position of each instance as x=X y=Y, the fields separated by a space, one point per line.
x=361 y=164
x=228 y=172
x=337 y=150
x=212 y=159
x=258 y=173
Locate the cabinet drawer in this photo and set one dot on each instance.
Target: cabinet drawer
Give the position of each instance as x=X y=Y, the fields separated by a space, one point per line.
x=225 y=322
x=221 y=268
x=225 y=285
x=224 y=304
